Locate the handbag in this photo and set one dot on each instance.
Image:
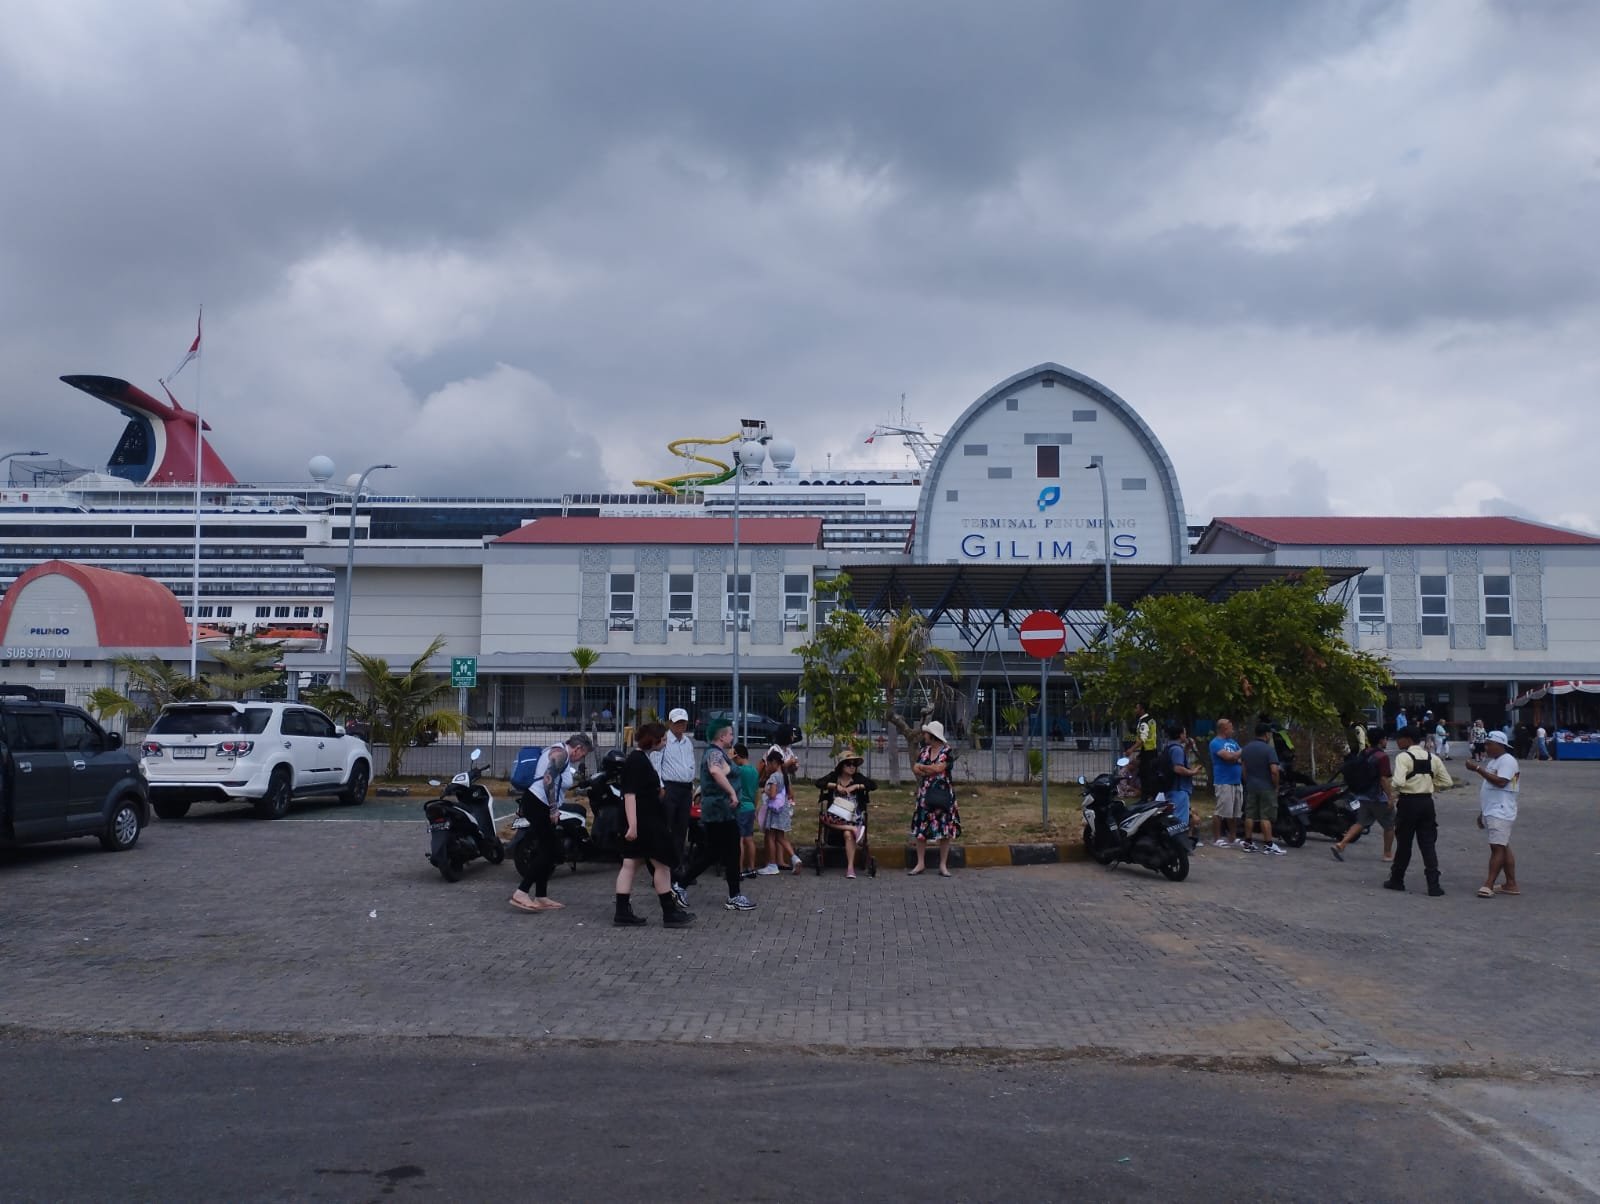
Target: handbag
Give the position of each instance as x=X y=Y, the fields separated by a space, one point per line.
x=939 y=797
x=843 y=808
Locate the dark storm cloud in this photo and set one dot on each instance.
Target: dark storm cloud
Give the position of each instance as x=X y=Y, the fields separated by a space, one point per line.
x=458 y=236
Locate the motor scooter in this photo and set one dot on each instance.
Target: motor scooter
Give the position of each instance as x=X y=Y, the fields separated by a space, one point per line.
x=1147 y=834
x=461 y=823
x=1326 y=808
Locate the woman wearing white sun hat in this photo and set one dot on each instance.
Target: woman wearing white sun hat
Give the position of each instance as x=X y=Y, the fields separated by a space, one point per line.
x=936 y=816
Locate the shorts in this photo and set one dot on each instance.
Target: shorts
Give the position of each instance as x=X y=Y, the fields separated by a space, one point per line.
x=1375 y=811
x=1260 y=803
x=747 y=822
x=1230 y=800
x=1180 y=805
x=779 y=819
x=1497 y=830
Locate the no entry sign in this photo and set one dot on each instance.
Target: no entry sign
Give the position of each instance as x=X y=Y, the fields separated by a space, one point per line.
x=1043 y=634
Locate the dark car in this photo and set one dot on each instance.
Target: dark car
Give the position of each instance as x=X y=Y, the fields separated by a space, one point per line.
x=62 y=775
x=754 y=727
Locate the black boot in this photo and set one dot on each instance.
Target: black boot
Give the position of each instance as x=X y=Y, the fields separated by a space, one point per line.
x=625 y=917
x=1393 y=884
x=1434 y=889
x=672 y=915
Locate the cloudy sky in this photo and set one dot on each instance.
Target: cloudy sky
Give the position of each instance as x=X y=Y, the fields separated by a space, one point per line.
x=1341 y=255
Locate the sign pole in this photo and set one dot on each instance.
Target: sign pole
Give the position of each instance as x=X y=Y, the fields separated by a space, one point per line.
x=1044 y=742
x=461 y=705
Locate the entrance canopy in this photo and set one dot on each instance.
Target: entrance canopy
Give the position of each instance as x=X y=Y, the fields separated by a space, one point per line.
x=1557 y=688
x=935 y=590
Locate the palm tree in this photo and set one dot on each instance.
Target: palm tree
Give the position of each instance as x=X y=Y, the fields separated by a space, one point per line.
x=247 y=664
x=407 y=701
x=152 y=683
x=897 y=652
x=585 y=659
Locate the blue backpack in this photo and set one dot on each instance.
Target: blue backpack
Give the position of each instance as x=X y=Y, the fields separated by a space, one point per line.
x=525 y=772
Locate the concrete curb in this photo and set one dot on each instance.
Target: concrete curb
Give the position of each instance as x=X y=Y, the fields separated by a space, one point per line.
x=971 y=856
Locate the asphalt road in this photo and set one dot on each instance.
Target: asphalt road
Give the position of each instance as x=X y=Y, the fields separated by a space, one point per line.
x=119 y=1119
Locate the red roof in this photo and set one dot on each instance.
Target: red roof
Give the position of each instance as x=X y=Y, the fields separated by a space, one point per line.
x=129 y=611
x=1386 y=532
x=698 y=532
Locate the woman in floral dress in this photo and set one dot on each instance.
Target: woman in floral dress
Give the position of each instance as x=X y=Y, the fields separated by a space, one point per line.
x=934 y=762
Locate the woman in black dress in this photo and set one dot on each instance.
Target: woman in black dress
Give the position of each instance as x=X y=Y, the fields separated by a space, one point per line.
x=648 y=839
x=850 y=788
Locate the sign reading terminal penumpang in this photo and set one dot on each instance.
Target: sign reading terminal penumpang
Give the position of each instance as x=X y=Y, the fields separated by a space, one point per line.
x=1018 y=478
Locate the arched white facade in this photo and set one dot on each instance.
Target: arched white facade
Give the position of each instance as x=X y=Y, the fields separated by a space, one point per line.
x=1010 y=483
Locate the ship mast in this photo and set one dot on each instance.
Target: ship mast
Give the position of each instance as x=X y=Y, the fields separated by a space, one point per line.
x=919 y=443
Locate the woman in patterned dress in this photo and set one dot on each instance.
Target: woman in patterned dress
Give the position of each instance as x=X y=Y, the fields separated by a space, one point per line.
x=934 y=762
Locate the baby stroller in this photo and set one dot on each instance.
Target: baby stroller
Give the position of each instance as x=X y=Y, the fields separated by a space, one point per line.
x=832 y=824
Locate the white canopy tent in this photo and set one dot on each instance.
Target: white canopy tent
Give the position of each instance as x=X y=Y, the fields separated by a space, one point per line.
x=1556 y=688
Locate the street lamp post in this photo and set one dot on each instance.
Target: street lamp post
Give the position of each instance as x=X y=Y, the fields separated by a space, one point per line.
x=350 y=572
x=1098 y=464
x=10 y=455
x=738 y=474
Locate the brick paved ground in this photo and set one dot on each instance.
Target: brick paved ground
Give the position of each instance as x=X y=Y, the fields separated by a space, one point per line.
x=221 y=924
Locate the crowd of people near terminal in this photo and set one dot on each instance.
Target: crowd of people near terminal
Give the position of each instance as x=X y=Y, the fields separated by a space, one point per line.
x=748 y=804
x=1394 y=793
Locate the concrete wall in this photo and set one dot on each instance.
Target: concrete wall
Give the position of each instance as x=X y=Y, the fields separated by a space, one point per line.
x=398 y=611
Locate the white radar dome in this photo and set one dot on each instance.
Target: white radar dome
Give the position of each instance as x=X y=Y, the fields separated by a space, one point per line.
x=351 y=481
x=751 y=455
x=781 y=452
x=320 y=468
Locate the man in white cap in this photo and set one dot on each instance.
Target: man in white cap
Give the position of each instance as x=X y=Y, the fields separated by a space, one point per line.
x=1497 y=802
x=677 y=766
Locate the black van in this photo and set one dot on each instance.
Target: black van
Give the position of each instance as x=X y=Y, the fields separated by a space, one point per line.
x=62 y=775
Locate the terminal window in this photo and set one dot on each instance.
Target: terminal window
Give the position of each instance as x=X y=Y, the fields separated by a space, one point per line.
x=1049 y=461
x=680 y=595
x=1496 y=605
x=1435 y=606
x=1370 y=602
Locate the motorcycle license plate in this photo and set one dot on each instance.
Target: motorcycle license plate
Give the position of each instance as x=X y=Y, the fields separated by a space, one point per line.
x=442 y=825
x=1299 y=808
x=1177 y=829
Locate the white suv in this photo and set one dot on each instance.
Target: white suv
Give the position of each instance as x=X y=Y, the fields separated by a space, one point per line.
x=264 y=753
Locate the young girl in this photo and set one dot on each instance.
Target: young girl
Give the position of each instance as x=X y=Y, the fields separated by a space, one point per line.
x=780 y=817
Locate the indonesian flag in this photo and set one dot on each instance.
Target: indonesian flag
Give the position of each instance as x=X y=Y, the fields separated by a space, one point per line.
x=194 y=350
x=868 y=439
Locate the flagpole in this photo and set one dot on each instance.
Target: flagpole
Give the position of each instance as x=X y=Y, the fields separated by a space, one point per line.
x=199 y=472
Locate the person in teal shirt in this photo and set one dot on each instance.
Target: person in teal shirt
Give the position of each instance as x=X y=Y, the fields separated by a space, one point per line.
x=748 y=779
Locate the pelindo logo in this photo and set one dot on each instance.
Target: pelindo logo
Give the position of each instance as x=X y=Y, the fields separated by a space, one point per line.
x=49 y=631
x=1049 y=496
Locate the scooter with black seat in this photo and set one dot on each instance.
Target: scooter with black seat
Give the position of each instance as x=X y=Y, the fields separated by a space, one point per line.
x=1147 y=834
x=461 y=823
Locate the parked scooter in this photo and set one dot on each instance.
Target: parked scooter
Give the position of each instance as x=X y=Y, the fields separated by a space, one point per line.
x=1147 y=834
x=1326 y=808
x=461 y=823
x=583 y=838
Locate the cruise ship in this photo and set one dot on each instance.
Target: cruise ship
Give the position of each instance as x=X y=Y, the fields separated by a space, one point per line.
x=138 y=513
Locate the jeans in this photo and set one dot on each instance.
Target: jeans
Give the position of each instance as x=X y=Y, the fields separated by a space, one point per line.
x=1415 y=817
x=720 y=845
x=1180 y=805
x=679 y=797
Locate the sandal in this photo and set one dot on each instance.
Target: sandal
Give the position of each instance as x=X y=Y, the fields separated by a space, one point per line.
x=1504 y=890
x=915 y=872
x=1486 y=892
x=521 y=906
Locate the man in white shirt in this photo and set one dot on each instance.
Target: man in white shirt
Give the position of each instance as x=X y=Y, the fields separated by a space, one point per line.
x=677 y=766
x=1497 y=802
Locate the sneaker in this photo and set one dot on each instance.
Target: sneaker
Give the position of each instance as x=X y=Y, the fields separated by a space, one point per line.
x=1245 y=845
x=794 y=861
x=739 y=903
x=681 y=895
x=743 y=874
x=1275 y=849
x=767 y=871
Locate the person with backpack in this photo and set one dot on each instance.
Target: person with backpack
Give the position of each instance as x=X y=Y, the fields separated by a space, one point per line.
x=1417 y=774
x=552 y=778
x=1175 y=777
x=1368 y=776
